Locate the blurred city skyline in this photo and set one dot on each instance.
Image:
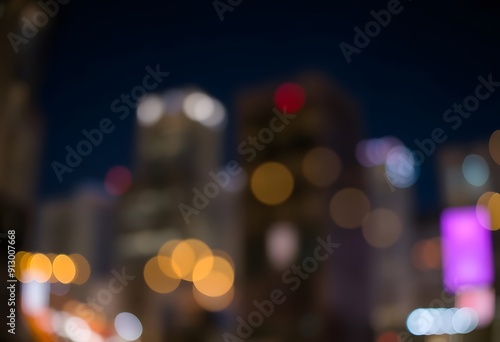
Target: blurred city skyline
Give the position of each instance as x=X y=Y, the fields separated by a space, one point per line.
x=235 y=170
x=427 y=59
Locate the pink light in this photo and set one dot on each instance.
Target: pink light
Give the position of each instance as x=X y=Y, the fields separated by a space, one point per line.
x=373 y=152
x=282 y=243
x=118 y=180
x=467 y=249
x=481 y=300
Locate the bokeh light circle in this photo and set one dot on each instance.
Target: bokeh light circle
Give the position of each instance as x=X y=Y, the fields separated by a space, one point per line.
x=494 y=209
x=22 y=266
x=206 y=110
x=156 y=279
x=64 y=269
x=40 y=268
x=165 y=263
x=219 y=280
x=198 y=106
x=481 y=205
x=349 y=207
x=289 y=98
x=282 y=244
x=185 y=256
x=150 y=110
x=118 y=180
x=128 y=326
x=166 y=266
x=419 y=322
x=400 y=168
x=494 y=146
x=464 y=320
x=168 y=247
x=475 y=170
x=382 y=228
x=272 y=183
x=489 y=201
x=82 y=269
x=426 y=254
x=321 y=166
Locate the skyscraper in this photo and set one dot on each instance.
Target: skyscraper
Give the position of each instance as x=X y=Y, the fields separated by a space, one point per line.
x=296 y=143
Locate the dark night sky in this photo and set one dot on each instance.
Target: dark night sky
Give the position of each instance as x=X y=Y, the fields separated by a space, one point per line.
x=426 y=59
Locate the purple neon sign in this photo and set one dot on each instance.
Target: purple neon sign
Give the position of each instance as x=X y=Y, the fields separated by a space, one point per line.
x=466 y=248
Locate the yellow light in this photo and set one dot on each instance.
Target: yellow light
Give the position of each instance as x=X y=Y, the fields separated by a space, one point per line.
x=40 y=268
x=349 y=207
x=203 y=268
x=494 y=146
x=22 y=262
x=219 y=280
x=165 y=265
x=213 y=304
x=51 y=257
x=168 y=247
x=166 y=251
x=185 y=256
x=382 y=228
x=483 y=202
x=490 y=201
x=494 y=209
x=82 y=269
x=64 y=269
x=321 y=166
x=156 y=279
x=272 y=183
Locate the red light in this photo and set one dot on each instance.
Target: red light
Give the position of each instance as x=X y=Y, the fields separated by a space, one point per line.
x=118 y=180
x=389 y=336
x=289 y=97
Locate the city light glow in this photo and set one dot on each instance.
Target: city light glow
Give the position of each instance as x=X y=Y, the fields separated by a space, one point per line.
x=150 y=110
x=289 y=97
x=466 y=248
x=118 y=180
x=382 y=228
x=186 y=255
x=442 y=321
x=475 y=170
x=128 y=326
x=64 y=269
x=272 y=183
x=219 y=279
x=156 y=279
x=321 y=166
x=349 y=207
x=494 y=146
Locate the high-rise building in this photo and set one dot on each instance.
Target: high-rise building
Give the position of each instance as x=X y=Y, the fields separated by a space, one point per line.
x=389 y=230
x=178 y=149
x=296 y=144
x=82 y=223
x=468 y=176
x=21 y=131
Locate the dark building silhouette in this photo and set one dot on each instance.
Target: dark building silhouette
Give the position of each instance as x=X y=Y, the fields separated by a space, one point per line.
x=334 y=299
